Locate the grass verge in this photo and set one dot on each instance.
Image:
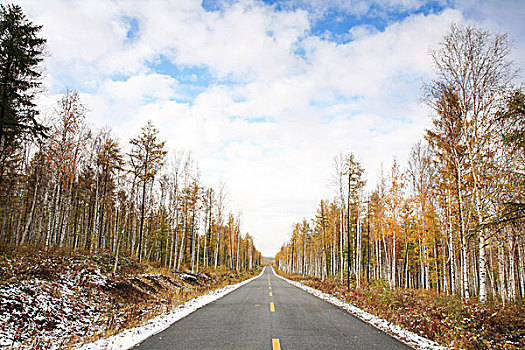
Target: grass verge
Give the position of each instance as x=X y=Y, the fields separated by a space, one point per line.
x=445 y=319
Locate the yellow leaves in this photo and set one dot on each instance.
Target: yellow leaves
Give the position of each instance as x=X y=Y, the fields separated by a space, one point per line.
x=147 y=154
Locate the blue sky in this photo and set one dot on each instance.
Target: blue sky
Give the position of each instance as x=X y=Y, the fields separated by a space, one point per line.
x=264 y=93
x=334 y=22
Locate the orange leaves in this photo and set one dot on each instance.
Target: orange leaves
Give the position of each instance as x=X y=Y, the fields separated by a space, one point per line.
x=65 y=145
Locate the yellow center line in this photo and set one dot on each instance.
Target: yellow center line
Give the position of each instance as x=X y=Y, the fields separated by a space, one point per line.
x=276 y=345
x=270 y=287
x=272 y=307
x=270 y=293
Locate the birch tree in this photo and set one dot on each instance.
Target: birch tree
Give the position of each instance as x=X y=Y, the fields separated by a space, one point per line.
x=475 y=66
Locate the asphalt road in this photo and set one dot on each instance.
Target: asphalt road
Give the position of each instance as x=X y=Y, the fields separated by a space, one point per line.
x=269 y=313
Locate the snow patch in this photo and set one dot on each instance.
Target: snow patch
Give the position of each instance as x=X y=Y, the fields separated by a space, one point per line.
x=412 y=339
x=134 y=336
x=51 y=310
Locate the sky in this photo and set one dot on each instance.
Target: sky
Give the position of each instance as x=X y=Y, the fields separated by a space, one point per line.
x=263 y=93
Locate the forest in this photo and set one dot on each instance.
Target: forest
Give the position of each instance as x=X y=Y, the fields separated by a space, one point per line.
x=67 y=185
x=452 y=218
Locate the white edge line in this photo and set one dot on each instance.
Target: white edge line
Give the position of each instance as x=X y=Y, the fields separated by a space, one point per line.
x=131 y=337
x=410 y=338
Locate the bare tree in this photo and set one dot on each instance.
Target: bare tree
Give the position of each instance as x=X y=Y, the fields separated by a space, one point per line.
x=222 y=196
x=339 y=181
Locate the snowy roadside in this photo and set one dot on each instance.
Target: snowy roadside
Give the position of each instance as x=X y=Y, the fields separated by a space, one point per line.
x=412 y=339
x=134 y=336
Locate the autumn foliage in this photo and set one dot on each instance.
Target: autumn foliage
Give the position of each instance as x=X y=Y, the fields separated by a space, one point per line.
x=438 y=244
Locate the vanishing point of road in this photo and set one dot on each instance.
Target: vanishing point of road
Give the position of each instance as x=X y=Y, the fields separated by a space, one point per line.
x=269 y=313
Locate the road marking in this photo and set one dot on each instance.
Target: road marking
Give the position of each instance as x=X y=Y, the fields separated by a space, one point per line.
x=270 y=287
x=270 y=293
x=276 y=345
x=272 y=307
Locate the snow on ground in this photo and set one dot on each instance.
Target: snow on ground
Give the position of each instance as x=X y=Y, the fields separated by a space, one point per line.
x=37 y=312
x=134 y=336
x=412 y=339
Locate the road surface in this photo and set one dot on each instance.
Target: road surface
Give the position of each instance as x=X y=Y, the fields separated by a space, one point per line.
x=269 y=313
